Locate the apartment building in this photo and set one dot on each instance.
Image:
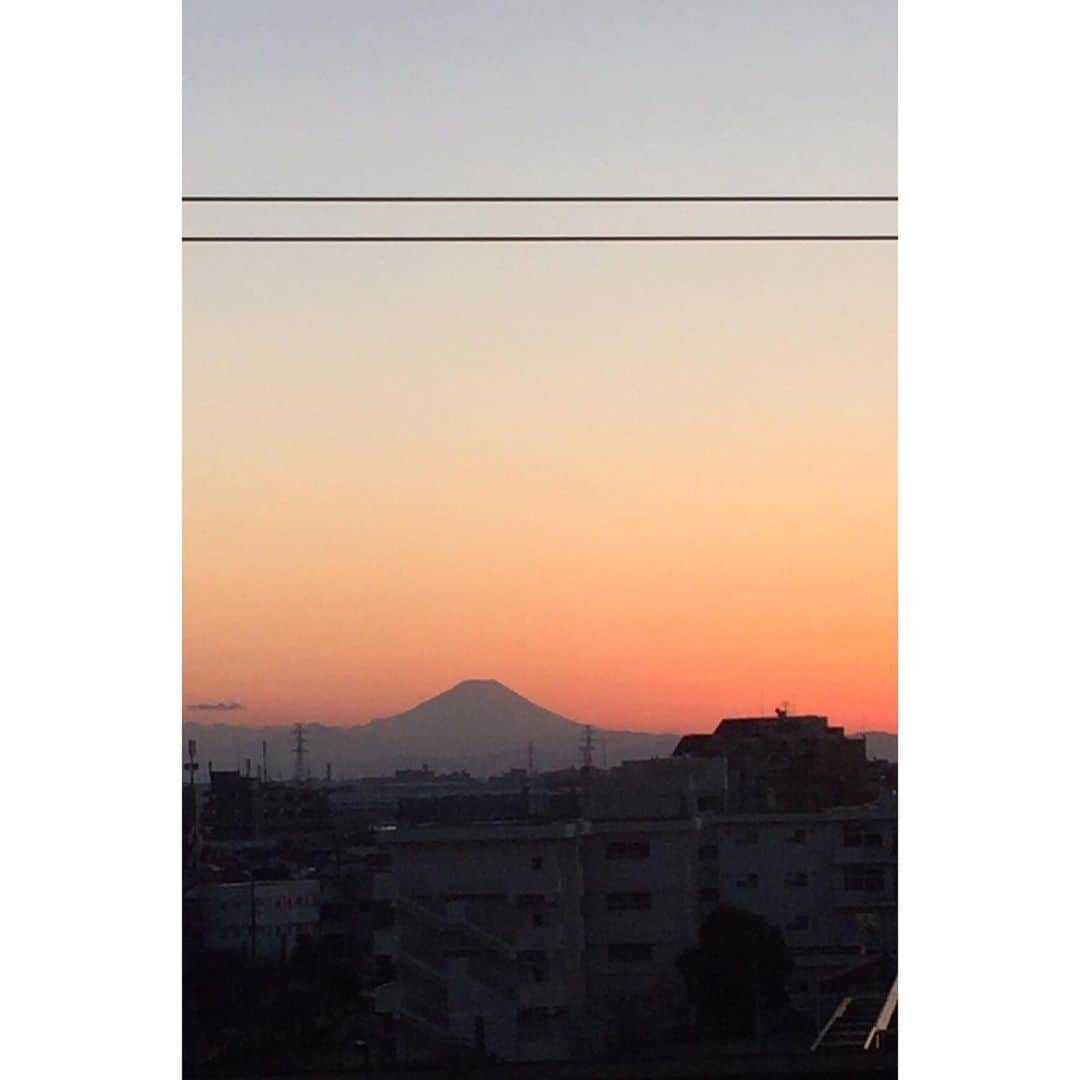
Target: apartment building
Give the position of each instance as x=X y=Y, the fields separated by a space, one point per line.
x=540 y=937
x=641 y=914
x=827 y=880
x=486 y=940
x=786 y=763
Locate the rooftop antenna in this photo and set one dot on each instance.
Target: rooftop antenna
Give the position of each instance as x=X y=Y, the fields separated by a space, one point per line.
x=328 y=772
x=298 y=750
x=265 y=771
x=532 y=759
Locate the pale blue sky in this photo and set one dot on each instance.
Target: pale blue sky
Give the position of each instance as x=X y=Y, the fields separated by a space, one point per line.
x=519 y=96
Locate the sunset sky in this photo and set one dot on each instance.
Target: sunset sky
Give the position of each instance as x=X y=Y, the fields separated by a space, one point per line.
x=646 y=486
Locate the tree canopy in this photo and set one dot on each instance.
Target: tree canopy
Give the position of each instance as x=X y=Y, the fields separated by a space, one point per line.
x=736 y=976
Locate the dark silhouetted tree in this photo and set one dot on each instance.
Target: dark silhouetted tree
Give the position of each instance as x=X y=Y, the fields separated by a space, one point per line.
x=736 y=976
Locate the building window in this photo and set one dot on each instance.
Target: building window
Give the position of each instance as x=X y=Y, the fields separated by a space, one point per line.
x=538 y=862
x=382 y=915
x=796 y=879
x=709 y=896
x=800 y=922
x=630 y=953
x=535 y=959
x=746 y=881
x=864 y=879
x=538 y=918
x=708 y=852
x=629 y=901
x=861 y=834
x=868 y=925
x=623 y=849
x=798 y=836
x=747 y=835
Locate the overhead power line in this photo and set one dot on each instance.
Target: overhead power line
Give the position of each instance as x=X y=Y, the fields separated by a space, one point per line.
x=494 y=238
x=533 y=238
x=539 y=198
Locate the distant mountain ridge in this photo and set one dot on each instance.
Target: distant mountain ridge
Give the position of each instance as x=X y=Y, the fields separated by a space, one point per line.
x=474 y=709
x=479 y=725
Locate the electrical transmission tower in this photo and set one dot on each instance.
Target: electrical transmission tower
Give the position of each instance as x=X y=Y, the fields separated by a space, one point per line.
x=299 y=749
x=587 y=748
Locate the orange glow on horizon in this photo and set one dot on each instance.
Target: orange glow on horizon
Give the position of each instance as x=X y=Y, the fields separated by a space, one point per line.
x=645 y=490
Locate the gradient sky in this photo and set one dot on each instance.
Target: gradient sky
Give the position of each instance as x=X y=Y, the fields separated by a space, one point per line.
x=645 y=486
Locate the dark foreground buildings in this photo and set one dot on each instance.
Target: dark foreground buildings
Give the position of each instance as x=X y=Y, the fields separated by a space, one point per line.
x=785 y=763
x=558 y=917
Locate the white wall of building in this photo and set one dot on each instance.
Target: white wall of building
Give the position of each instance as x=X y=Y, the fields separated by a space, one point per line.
x=275 y=913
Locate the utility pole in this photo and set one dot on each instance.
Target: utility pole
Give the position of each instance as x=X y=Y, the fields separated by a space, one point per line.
x=253 y=926
x=191 y=767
